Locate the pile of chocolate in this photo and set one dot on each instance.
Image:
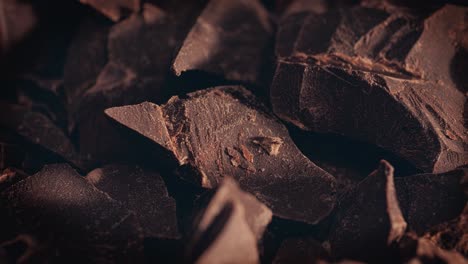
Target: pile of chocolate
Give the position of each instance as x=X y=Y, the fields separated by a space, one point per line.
x=233 y=131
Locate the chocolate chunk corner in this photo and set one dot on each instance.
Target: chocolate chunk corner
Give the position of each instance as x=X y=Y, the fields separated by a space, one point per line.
x=114 y=9
x=232 y=222
x=358 y=233
x=142 y=192
x=229 y=38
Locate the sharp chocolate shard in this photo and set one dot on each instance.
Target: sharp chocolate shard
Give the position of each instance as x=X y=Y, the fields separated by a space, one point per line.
x=431 y=199
x=386 y=78
x=369 y=219
x=61 y=208
x=300 y=250
x=232 y=223
x=142 y=192
x=114 y=9
x=224 y=132
x=230 y=38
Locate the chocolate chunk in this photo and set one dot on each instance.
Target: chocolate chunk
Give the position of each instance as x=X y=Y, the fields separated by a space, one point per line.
x=430 y=199
x=378 y=76
x=142 y=192
x=421 y=250
x=10 y=176
x=232 y=223
x=61 y=208
x=369 y=219
x=24 y=248
x=300 y=250
x=114 y=9
x=38 y=129
x=230 y=38
x=214 y=132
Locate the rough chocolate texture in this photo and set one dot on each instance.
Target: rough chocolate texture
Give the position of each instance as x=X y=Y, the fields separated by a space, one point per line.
x=142 y=192
x=214 y=132
x=63 y=209
x=431 y=199
x=376 y=230
x=386 y=78
x=228 y=229
x=230 y=38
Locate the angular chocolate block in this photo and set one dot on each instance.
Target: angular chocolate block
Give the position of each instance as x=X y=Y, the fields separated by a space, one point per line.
x=300 y=250
x=228 y=229
x=427 y=200
x=369 y=219
x=230 y=38
x=114 y=9
x=385 y=78
x=62 y=209
x=224 y=131
x=142 y=192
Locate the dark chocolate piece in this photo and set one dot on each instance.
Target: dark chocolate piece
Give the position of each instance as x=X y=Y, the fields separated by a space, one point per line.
x=24 y=248
x=369 y=219
x=61 y=208
x=430 y=199
x=114 y=9
x=385 y=78
x=228 y=229
x=300 y=250
x=142 y=192
x=218 y=131
x=38 y=129
x=230 y=38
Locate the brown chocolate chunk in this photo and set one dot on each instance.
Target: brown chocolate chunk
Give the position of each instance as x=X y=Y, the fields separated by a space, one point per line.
x=378 y=76
x=114 y=9
x=214 y=132
x=228 y=229
x=369 y=219
x=230 y=38
x=300 y=250
x=427 y=200
x=61 y=208
x=142 y=192
x=38 y=129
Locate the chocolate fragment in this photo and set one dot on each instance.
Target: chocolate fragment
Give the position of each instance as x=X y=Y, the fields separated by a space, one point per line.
x=114 y=9
x=38 y=129
x=57 y=204
x=213 y=132
x=378 y=76
x=230 y=38
x=300 y=250
x=232 y=223
x=427 y=200
x=369 y=219
x=142 y=192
